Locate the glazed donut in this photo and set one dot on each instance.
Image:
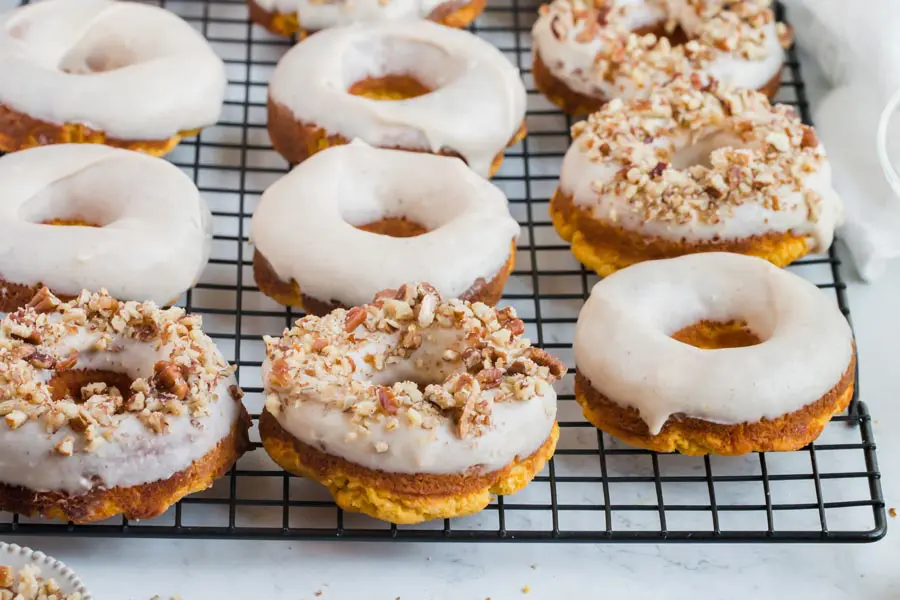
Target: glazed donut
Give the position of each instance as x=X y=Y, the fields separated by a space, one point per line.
x=585 y=54
x=288 y=17
x=712 y=353
x=410 y=408
x=104 y=72
x=134 y=224
x=382 y=228
x=694 y=168
x=111 y=408
x=406 y=85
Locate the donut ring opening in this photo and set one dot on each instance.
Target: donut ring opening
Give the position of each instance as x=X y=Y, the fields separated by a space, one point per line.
x=70 y=383
x=389 y=87
x=713 y=335
x=399 y=227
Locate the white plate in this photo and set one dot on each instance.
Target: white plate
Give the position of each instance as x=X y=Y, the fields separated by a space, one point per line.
x=17 y=557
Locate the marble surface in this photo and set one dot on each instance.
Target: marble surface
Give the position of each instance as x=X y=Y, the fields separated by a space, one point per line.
x=198 y=570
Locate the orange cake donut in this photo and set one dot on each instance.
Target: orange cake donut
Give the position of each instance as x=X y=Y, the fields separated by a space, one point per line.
x=383 y=228
x=102 y=218
x=104 y=72
x=111 y=408
x=289 y=17
x=712 y=353
x=587 y=53
x=411 y=408
x=694 y=168
x=408 y=85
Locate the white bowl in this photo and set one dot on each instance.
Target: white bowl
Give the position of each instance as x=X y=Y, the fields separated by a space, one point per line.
x=17 y=557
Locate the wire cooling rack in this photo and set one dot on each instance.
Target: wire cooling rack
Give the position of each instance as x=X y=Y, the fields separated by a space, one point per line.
x=596 y=488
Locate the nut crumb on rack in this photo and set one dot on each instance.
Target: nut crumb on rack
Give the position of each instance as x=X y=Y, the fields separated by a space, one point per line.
x=33 y=340
x=488 y=362
x=27 y=584
x=638 y=136
x=892 y=511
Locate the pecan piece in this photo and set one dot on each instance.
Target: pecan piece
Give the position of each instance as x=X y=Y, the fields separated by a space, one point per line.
x=387 y=400
x=555 y=366
x=44 y=301
x=489 y=378
x=810 y=140
x=168 y=377
x=509 y=320
x=39 y=360
x=355 y=317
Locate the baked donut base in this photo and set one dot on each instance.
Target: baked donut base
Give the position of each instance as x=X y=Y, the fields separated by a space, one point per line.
x=296 y=141
x=697 y=437
x=17 y=295
x=289 y=293
x=577 y=104
x=143 y=501
x=453 y=13
x=605 y=248
x=19 y=131
x=399 y=498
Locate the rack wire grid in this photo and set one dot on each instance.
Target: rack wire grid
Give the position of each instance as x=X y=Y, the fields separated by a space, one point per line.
x=596 y=488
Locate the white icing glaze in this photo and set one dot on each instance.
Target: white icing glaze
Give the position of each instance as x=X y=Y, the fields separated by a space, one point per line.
x=314 y=15
x=622 y=342
x=135 y=455
x=581 y=177
x=118 y=67
x=317 y=205
x=476 y=108
x=518 y=428
x=573 y=61
x=155 y=234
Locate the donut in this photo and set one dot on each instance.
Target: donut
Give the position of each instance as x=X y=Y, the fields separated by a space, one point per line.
x=86 y=216
x=694 y=168
x=410 y=408
x=406 y=85
x=104 y=72
x=712 y=353
x=382 y=228
x=111 y=408
x=289 y=17
x=586 y=54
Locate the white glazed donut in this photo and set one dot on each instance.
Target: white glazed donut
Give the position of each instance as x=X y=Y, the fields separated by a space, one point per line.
x=131 y=71
x=77 y=454
x=287 y=17
x=305 y=225
x=153 y=234
x=476 y=108
x=693 y=169
x=586 y=55
x=347 y=387
x=623 y=344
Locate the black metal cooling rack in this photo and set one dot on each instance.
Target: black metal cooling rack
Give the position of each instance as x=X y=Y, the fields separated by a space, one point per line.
x=596 y=489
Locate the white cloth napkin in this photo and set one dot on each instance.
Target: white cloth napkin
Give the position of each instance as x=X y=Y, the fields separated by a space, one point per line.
x=857 y=48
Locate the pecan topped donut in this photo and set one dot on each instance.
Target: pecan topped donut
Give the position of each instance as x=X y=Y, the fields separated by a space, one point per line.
x=411 y=408
x=587 y=53
x=111 y=407
x=694 y=168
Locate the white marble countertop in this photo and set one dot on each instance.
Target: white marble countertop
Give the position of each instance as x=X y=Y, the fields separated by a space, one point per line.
x=137 y=569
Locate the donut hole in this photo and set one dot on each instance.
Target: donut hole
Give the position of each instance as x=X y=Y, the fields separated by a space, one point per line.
x=398 y=227
x=111 y=55
x=69 y=384
x=700 y=152
x=388 y=68
x=389 y=87
x=59 y=207
x=77 y=222
x=715 y=335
